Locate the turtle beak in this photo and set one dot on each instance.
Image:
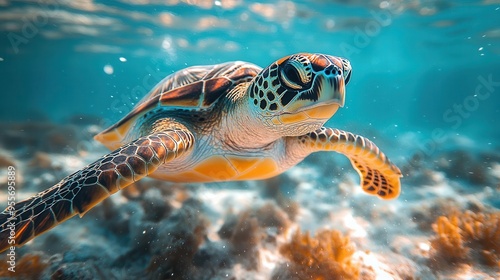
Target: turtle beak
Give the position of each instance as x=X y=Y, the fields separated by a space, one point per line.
x=327 y=90
x=332 y=85
x=330 y=89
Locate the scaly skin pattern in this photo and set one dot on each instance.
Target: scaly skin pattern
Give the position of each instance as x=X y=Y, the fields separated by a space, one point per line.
x=248 y=125
x=379 y=176
x=81 y=191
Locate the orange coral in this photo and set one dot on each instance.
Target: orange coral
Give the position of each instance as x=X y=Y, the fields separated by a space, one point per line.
x=449 y=243
x=328 y=255
x=465 y=236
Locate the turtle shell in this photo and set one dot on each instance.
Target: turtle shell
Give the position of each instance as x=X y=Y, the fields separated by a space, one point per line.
x=192 y=87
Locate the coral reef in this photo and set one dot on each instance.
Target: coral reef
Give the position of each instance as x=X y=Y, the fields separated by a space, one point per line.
x=42 y=136
x=417 y=171
x=466 y=237
x=155 y=206
x=41 y=160
x=247 y=230
x=245 y=238
x=328 y=255
x=6 y=160
x=270 y=216
x=78 y=270
x=161 y=230
x=273 y=188
x=426 y=213
x=176 y=242
x=465 y=165
x=448 y=245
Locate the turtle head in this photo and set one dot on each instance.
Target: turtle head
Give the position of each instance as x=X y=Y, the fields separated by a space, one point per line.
x=300 y=92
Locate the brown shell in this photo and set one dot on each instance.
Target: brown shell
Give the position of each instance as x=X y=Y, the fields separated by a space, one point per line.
x=195 y=87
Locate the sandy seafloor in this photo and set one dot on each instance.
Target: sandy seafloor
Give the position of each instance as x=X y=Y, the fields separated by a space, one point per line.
x=161 y=230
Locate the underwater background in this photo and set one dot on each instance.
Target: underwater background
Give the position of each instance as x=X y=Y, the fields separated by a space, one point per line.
x=425 y=87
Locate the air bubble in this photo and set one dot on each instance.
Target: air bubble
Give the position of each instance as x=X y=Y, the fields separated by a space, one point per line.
x=108 y=69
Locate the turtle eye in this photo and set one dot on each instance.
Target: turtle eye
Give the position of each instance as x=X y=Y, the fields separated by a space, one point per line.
x=291 y=77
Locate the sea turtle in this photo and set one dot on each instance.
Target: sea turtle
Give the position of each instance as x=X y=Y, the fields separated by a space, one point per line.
x=225 y=122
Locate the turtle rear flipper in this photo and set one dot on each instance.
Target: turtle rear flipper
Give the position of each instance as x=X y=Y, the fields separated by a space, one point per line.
x=379 y=176
x=82 y=190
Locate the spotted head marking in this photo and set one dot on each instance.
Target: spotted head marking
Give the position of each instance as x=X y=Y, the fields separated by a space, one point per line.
x=300 y=88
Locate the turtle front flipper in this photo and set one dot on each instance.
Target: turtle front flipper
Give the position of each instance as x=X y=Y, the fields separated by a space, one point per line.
x=379 y=176
x=82 y=190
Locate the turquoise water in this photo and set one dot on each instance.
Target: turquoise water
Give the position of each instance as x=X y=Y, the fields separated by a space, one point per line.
x=425 y=87
x=412 y=60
